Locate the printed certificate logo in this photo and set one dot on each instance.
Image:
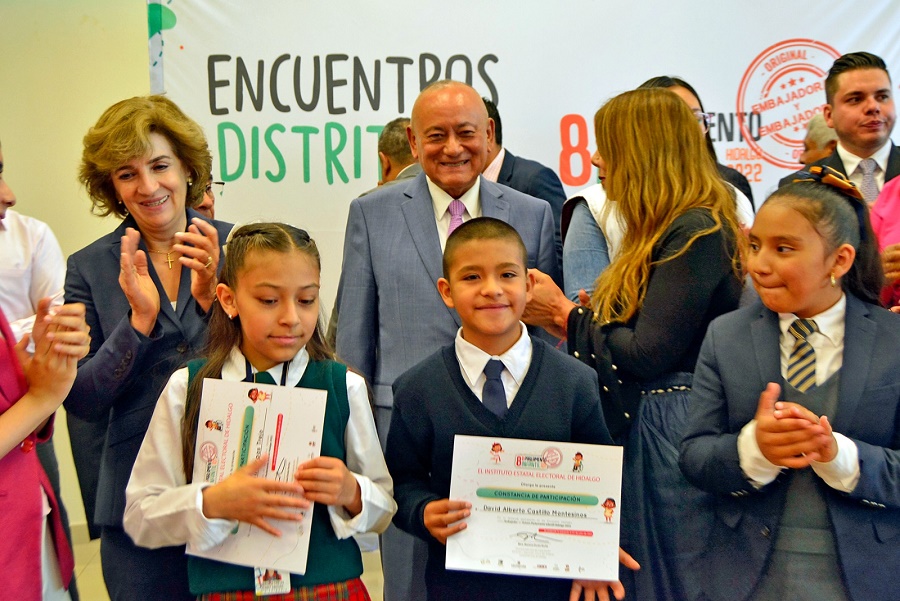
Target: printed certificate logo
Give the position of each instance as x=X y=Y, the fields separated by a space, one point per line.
x=785 y=86
x=550 y=458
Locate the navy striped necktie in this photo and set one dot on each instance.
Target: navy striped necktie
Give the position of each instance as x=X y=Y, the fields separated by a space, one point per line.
x=801 y=371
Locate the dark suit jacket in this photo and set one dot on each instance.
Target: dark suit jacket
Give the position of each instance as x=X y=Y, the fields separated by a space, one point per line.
x=834 y=161
x=125 y=371
x=534 y=179
x=391 y=314
x=740 y=355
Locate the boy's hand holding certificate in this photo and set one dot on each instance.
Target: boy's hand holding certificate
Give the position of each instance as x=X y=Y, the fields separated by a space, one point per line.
x=241 y=422
x=538 y=508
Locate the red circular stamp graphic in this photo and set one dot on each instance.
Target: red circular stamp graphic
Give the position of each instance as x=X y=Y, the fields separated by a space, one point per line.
x=208 y=451
x=785 y=86
x=552 y=457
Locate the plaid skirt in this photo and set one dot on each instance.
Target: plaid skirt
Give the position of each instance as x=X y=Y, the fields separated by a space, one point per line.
x=351 y=590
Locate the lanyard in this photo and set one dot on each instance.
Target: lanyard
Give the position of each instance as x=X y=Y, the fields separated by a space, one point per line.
x=250 y=377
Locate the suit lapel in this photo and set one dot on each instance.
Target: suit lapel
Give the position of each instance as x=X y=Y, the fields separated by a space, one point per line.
x=506 y=169
x=834 y=161
x=859 y=342
x=418 y=212
x=492 y=202
x=893 y=165
x=766 y=337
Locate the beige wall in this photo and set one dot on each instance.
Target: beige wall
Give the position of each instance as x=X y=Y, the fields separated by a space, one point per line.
x=62 y=62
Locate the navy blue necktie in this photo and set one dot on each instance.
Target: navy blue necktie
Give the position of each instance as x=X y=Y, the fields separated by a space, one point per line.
x=493 y=395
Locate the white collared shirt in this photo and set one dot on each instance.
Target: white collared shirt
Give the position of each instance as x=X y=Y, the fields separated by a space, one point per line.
x=516 y=360
x=162 y=510
x=492 y=173
x=851 y=162
x=440 y=200
x=31 y=268
x=842 y=472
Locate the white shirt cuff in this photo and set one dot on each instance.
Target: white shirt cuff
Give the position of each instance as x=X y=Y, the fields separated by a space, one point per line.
x=757 y=469
x=842 y=472
x=207 y=532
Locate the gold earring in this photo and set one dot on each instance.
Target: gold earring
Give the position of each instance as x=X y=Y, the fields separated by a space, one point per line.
x=833 y=281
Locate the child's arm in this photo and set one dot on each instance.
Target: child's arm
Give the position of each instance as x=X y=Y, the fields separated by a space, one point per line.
x=161 y=510
x=60 y=341
x=409 y=446
x=358 y=494
x=709 y=456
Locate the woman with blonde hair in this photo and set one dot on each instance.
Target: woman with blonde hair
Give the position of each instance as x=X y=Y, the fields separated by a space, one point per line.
x=676 y=270
x=148 y=287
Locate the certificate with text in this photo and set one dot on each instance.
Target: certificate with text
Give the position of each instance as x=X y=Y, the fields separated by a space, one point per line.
x=240 y=422
x=539 y=508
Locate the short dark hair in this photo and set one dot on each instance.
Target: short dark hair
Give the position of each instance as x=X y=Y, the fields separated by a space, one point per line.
x=482 y=228
x=393 y=141
x=851 y=62
x=494 y=114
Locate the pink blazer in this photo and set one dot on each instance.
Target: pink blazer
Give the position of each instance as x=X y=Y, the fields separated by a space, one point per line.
x=886 y=223
x=21 y=514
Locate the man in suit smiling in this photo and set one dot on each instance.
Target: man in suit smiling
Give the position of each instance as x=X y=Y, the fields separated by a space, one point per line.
x=392 y=315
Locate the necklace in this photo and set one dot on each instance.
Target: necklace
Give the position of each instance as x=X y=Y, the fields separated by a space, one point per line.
x=168 y=254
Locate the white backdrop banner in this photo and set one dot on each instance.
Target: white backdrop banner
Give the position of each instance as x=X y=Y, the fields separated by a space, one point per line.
x=293 y=93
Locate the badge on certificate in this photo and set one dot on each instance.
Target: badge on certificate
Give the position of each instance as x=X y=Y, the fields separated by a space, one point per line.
x=539 y=508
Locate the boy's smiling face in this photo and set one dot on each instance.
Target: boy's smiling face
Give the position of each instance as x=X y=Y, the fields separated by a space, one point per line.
x=489 y=287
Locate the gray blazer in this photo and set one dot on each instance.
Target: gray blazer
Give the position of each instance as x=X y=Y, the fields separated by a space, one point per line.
x=740 y=355
x=392 y=315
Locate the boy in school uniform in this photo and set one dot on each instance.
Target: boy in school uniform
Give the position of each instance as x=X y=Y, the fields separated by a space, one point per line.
x=541 y=394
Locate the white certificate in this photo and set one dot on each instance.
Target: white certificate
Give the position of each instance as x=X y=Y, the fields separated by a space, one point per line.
x=539 y=508
x=240 y=422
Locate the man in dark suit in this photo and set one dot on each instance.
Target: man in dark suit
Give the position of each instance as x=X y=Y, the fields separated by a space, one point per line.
x=860 y=108
x=392 y=315
x=524 y=175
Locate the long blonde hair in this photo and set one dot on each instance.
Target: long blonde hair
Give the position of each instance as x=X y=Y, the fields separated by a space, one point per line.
x=658 y=168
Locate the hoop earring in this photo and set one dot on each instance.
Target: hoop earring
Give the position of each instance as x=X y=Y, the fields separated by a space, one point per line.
x=833 y=280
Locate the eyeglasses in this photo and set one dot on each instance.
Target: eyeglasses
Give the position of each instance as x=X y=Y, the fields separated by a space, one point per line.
x=215 y=188
x=704 y=119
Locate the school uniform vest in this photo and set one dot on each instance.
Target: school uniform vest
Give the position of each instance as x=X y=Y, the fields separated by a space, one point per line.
x=330 y=559
x=805 y=537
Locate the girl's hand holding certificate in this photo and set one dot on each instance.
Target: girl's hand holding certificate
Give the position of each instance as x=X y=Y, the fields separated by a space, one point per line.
x=247 y=498
x=327 y=480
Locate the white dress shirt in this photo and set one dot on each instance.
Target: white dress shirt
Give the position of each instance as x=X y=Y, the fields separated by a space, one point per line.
x=162 y=510
x=492 y=173
x=31 y=268
x=516 y=361
x=851 y=162
x=441 y=203
x=842 y=472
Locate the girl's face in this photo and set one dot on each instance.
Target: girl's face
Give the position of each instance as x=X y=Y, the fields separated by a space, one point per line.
x=277 y=299
x=788 y=262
